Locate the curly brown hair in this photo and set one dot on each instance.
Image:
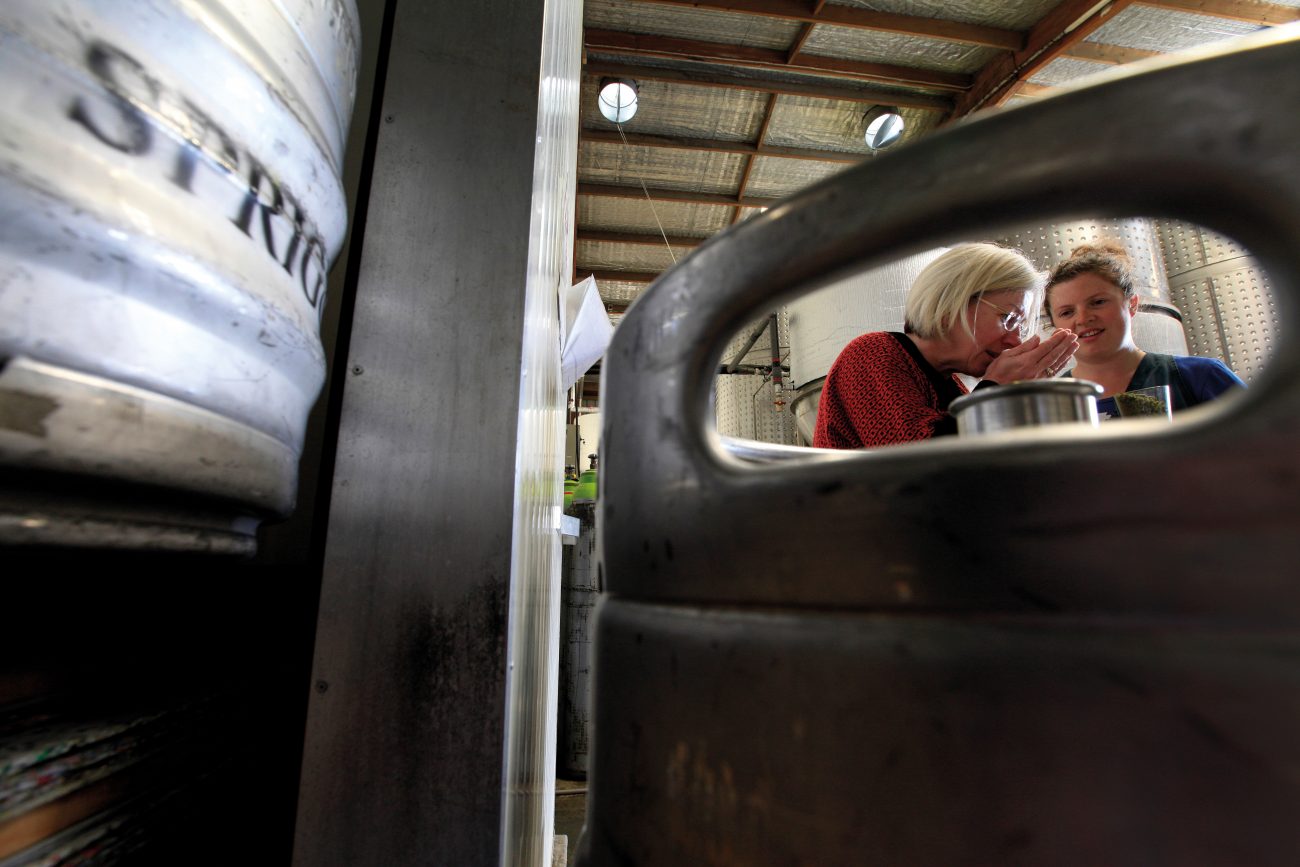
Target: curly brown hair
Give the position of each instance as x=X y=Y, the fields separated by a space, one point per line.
x=1107 y=260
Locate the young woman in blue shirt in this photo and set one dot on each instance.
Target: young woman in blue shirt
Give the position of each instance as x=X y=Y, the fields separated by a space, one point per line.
x=1091 y=294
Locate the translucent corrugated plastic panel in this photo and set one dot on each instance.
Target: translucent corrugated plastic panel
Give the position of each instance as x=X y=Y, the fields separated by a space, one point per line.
x=528 y=787
x=607 y=255
x=619 y=290
x=668 y=108
x=746 y=213
x=686 y=23
x=1165 y=30
x=624 y=165
x=876 y=47
x=777 y=177
x=1018 y=15
x=1014 y=101
x=636 y=215
x=1063 y=70
x=833 y=125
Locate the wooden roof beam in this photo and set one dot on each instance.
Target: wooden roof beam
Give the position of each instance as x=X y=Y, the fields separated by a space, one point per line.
x=637 y=238
x=680 y=196
x=1066 y=25
x=616 y=276
x=768 y=111
x=711 y=78
x=718 y=146
x=770 y=58
x=864 y=19
x=1114 y=55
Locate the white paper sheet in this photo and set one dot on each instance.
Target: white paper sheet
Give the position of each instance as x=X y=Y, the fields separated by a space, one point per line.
x=587 y=330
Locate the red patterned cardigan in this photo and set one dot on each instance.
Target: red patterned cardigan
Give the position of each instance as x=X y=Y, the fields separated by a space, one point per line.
x=881 y=391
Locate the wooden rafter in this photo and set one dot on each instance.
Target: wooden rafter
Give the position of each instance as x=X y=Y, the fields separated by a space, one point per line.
x=749 y=163
x=752 y=57
x=637 y=238
x=617 y=276
x=1066 y=25
x=717 y=146
x=864 y=19
x=1028 y=88
x=686 y=197
x=1112 y=54
x=804 y=33
x=714 y=78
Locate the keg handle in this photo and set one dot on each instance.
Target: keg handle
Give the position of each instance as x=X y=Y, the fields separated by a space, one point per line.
x=1140 y=152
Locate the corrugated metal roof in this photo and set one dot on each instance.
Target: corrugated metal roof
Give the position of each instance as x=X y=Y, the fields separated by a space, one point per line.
x=746 y=74
x=775 y=177
x=602 y=255
x=876 y=47
x=686 y=23
x=1065 y=69
x=723 y=101
x=1019 y=15
x=625 y=165
x=619 y=290
x=634 y=215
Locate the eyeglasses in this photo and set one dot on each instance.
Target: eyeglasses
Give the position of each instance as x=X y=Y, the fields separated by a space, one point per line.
x=1012 y=321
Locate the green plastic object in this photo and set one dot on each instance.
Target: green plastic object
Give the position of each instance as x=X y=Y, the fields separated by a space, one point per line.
x=570 y=487
x=586 y=492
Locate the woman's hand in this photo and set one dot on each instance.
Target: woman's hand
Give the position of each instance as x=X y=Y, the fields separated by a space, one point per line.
x=1034 y=359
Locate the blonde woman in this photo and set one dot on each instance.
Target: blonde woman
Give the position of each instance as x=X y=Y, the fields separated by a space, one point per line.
x=967 y=312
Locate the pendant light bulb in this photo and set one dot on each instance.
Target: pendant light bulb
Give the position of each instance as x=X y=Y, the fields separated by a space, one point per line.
x=617 y=99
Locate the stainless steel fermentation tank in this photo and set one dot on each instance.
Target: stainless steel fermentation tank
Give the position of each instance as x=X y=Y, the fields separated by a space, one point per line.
x=1072 y=647
x=170 y=203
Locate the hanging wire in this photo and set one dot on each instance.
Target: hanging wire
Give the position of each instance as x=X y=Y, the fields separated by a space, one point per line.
x=662 y=233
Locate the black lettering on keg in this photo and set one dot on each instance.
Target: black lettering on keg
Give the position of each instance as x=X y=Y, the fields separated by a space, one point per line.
x=187 y=157
x=254 y=201
x=313 y=273
x=125 y=80
x=296 y=238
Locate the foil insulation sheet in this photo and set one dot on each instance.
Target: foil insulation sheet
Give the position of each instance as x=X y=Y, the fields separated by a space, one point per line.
x=777 y=177
x=623 y=165
x=606 y=255
x=871 y=46
x=636 y=215
x=1164 y=30
x=1011 y=16
x=686 y=23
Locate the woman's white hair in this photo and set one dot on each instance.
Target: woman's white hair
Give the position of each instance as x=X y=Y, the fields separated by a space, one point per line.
x=938 y=298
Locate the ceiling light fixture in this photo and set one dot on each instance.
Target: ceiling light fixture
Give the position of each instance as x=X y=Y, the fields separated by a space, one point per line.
x=884 y=126
x=617 y=99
